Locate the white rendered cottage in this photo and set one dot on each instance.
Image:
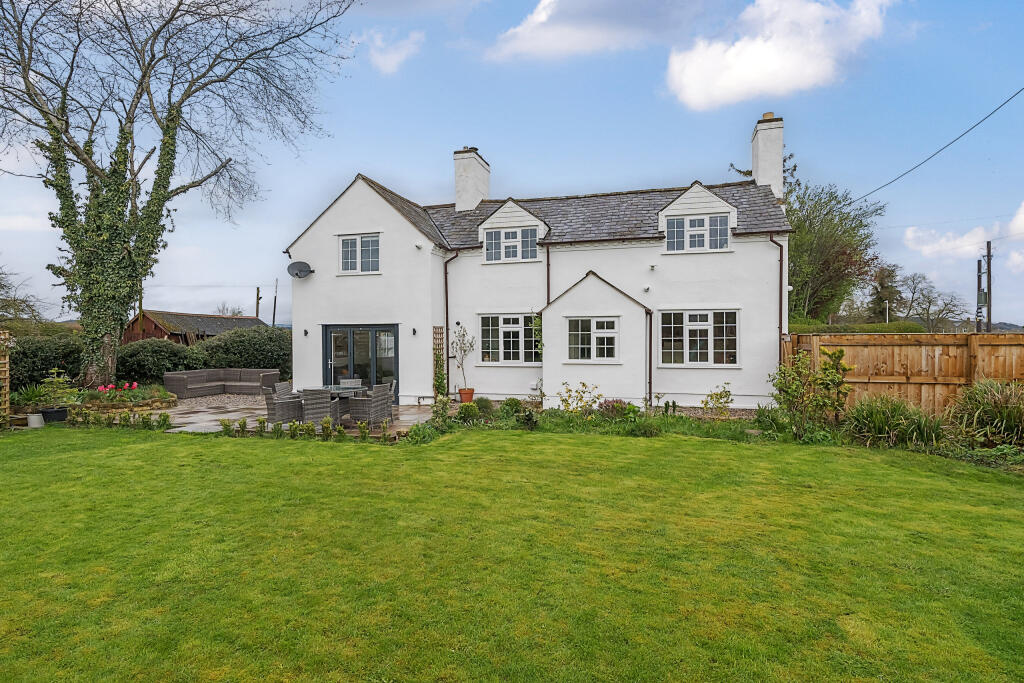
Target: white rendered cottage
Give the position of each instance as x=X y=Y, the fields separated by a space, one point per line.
x=666 y=292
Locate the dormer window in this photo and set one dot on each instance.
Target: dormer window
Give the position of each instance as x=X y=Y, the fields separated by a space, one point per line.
x=510 y=244
x=697 y=233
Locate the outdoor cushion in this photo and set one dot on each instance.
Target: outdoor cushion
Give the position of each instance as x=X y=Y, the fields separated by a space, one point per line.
x=229 y=374
x=241 y=388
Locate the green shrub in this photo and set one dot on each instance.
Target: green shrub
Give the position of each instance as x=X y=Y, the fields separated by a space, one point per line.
x=467 y=412
x=421 y=434
x=646 y=428
x=528 y=419
x=243 y=427
x=261 y=426
x=510 y=407
x=440 y=420
x=988 y=414
x=145 y=421
x=163 y=422
x=196 y=358
x=252 y=347
x=771 y=419
x=440 y=378
x=32 y=358
x=885 y=420
x=485 y=406
x=227 y=427
x=30 y=395
x=147 y=360
x=308 y=430
x=716 y=404
x=812 y=400
x=364 y=430
x=326 y=429
x=293 y=430
x=277 y=431
x=612 y=408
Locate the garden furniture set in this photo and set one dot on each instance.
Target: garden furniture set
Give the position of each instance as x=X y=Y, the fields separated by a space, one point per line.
x=335 y=401
x=192 y=383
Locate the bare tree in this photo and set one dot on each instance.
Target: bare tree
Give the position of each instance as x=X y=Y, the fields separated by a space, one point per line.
x=129 y=105
x=15 y=302
x=938 y=310
x=229 y=309
x=910 y=290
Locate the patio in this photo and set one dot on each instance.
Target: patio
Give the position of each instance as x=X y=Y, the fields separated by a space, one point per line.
x=202 y=415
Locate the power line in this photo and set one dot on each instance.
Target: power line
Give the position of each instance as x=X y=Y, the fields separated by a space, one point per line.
x=941 y=149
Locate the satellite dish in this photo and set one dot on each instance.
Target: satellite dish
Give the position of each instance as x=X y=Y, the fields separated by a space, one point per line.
x=299 y=269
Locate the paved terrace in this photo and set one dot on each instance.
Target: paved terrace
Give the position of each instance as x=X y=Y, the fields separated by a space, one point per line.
x=203 y=414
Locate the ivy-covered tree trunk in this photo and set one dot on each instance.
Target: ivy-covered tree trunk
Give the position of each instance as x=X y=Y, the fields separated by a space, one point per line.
x=112 y=243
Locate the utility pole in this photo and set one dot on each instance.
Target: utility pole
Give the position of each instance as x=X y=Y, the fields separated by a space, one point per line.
x=258 y=302
x=988 y=286
x=273 y=315
x=979 y=301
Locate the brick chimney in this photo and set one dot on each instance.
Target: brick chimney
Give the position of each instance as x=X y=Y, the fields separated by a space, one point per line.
x=766 y=152
x=472 y=178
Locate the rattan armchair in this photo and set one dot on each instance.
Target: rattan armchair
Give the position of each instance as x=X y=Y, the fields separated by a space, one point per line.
x=316 y=405
x=375 y=407
x=282 y=404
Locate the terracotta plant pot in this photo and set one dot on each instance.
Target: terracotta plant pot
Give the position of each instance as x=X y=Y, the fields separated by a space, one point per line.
x=465 y=395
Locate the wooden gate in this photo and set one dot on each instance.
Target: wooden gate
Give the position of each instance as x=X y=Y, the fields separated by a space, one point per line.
x=928 y=370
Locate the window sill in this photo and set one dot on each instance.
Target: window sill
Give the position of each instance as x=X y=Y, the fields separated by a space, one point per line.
x=505 y=262
x=694 y=252
x=358 y=273
x=592 y=362
x=697 y=366
x=508 y=365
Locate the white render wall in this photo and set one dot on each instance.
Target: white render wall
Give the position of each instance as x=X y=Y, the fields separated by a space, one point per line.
x=409 y=292
x=406 y=292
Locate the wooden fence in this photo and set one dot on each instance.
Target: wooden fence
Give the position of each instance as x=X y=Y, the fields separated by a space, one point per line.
x=928 y=370
x=5 y=380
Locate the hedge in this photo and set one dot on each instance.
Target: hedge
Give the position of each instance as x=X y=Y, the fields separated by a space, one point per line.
x=847 y=328
x=252 y=347
x=33 y=357
x=147 y=360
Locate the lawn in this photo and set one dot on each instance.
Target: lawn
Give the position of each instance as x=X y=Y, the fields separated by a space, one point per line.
x=502 y=555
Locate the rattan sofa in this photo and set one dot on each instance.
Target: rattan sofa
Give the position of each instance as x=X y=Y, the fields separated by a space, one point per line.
x=192 y=383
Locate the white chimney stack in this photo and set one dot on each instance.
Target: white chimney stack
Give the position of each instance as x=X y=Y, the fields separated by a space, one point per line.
x=766 y=152
x=472 y=178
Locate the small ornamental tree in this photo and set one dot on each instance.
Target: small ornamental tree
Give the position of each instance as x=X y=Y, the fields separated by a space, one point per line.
x=463 y=344
x=129 y=105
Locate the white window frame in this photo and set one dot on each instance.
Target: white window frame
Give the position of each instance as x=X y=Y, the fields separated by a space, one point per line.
x=512 y=327
x=709 y=326
x=693 y=232
x=357 y=268
x=595 y=334
x=510 y=239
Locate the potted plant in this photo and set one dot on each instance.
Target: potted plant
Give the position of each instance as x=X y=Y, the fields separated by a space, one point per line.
x=27 y=401
x=462 y=346
x=59 y=394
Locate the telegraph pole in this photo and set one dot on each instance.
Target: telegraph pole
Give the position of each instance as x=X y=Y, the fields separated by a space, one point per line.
x=978 y=299
x=988 y=286
x=273 y=315
x=257 y=302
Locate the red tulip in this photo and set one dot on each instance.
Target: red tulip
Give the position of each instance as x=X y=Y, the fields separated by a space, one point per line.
x=135 y=385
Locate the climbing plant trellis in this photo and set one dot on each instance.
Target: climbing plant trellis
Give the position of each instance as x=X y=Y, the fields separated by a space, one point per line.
x=5 y=378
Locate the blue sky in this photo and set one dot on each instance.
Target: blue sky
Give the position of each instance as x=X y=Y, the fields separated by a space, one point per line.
x=568 y=96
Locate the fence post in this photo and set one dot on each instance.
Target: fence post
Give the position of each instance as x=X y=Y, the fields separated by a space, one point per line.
x=973 y=370
x=815 y=351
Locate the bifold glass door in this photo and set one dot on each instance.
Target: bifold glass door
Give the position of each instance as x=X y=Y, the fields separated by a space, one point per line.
x=369 y=353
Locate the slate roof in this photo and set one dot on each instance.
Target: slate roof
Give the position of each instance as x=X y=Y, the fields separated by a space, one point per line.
x=613 y=215
x=200 y=323
x=413 y=212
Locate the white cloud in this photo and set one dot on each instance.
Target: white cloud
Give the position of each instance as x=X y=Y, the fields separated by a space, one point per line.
x=783 y=46
x=564 y=28
x=932 y=243
x=388 y=56
x=1016 y=262
x=25 y=223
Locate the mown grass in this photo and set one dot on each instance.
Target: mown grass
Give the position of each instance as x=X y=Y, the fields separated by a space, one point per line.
x=502 y=555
